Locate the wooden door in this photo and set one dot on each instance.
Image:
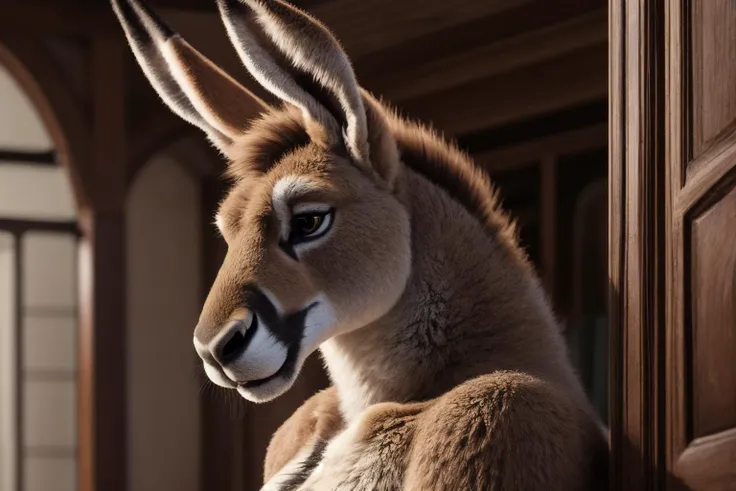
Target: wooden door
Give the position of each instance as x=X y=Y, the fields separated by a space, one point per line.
x=701 y=252
x=673 y=244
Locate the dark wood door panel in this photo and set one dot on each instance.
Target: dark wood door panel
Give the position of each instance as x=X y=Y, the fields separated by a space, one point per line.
x=713 y=69
x=713 y=317
x=700 y=244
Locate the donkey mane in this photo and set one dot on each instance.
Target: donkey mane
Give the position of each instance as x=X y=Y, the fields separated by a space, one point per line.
x=441 y=162
x=421 y=148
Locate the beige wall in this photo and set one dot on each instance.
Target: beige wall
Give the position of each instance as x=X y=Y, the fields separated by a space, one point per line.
x=48 y=310
x=163 y=306
x=20 y=124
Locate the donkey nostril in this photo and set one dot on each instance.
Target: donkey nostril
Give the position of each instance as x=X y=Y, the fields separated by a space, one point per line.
x=232 y=349
x=235 y=341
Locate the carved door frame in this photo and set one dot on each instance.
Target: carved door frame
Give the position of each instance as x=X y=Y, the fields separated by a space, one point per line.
x=637 y=193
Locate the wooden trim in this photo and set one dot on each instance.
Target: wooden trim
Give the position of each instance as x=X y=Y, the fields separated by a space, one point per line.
x=49 y=20
x=486 y=60
x=636 y=243
x=696 y=179
x=533 y=151
x=616 y=178
x=102 y=339
x=574 y=78
x=19 y=363
x=19 y=226
x=362 y=27
x=716 y=158
x=31 y=158
x=36 y=72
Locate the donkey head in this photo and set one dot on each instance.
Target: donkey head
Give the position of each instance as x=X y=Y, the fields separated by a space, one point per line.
x=318 y=236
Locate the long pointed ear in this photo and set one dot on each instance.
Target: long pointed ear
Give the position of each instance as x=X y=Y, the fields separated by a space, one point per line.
x=189 y=83
x=309 y=49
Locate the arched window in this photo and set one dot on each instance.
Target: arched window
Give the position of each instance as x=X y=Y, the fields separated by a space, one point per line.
x=38 y=304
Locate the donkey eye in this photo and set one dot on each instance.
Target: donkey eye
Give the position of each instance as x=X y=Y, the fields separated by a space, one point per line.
x=308 y=224
x=311 y=225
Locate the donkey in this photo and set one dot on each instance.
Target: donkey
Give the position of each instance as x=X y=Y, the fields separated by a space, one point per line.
x=359 y=233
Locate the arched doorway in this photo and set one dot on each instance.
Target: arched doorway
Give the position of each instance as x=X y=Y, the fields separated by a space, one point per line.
x=38 y=302
x=163 y=257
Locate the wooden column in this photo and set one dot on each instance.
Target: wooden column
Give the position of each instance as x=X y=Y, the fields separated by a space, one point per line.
x=636 y=252
x=102 y=377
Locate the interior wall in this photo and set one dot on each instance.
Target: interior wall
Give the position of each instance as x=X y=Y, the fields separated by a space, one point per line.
x=163 y=295
x=20 y=124
x=38 y=382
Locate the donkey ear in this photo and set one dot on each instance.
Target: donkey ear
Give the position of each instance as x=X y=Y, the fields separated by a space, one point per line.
x=309 y=49
x=189 y=83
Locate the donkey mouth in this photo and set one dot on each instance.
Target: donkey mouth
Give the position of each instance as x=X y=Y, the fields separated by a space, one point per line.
x=252 y=384
x=289 y=331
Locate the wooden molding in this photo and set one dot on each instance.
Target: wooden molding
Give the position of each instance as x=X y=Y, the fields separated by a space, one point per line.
x=365 y=27
x=534 y=151
x=486 y=60
x=636 y=267
x=568 y=80
x=37 y=73
x=54 y=20
x=102 y=340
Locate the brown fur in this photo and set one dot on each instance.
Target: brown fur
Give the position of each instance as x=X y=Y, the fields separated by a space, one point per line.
x=449 y=369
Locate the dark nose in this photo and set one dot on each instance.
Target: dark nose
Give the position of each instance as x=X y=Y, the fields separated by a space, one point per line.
x=232 y=344
x=228 y=344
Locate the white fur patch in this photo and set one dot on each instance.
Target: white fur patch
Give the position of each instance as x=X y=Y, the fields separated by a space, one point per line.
x=355 y=395
x=286 y=189
x=217 y=377
x=288 y=471
x=220 y=223
x=319 y=325
x=263 y=357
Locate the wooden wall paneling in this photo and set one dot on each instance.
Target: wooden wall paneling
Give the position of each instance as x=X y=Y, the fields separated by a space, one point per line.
x=48 y=19
x=102 y=402
x=570 y=79
x=635 y=269
x=487 y=58
x=479 y=31
x=713 y=45
x=365 y=27
x=701 y=209
x=531 y=151
x=678 y=101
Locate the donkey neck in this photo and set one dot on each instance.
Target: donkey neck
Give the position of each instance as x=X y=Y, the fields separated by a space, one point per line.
x=470 y=307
